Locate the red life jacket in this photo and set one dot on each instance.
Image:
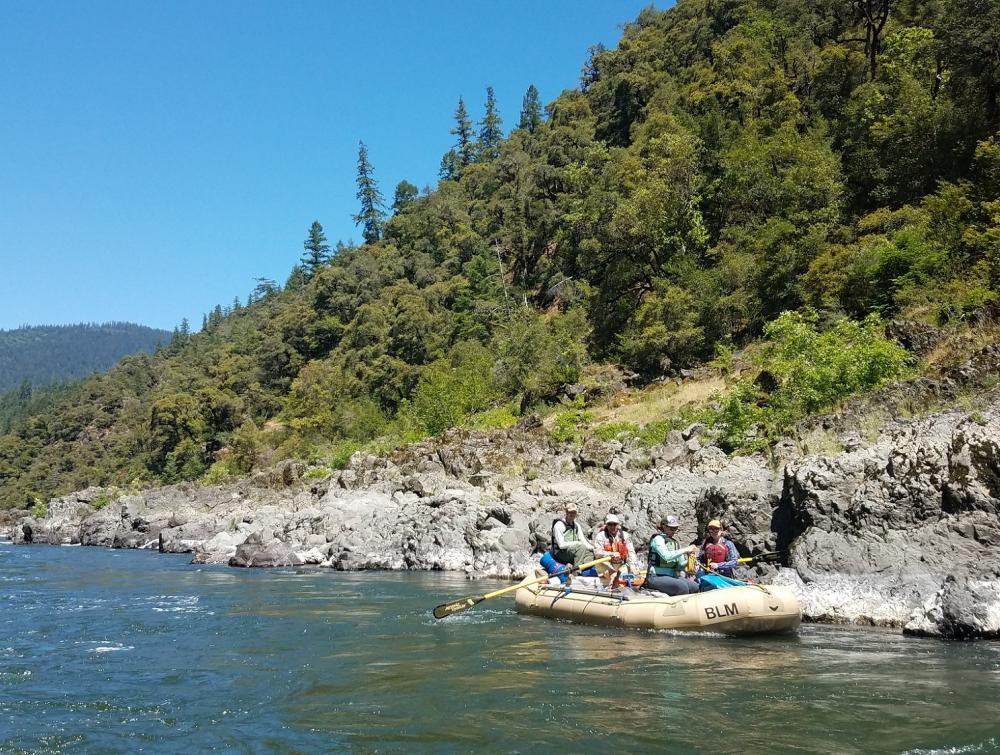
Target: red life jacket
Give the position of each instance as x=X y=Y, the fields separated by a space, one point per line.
x=616 y=545
x=717 y=553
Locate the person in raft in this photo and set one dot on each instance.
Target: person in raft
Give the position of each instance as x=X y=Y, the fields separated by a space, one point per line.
x=569 y=544
x=718 y=553
x=667 y=561
x=611 y=538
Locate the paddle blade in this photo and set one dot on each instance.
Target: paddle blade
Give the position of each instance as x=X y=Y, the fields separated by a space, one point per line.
x=447 y=609
x=769 y=558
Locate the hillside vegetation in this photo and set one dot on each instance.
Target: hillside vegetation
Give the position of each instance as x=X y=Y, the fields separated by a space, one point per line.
x=44 y=354
x=729 y=161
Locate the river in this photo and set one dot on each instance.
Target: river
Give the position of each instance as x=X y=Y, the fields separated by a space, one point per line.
x=128 y=651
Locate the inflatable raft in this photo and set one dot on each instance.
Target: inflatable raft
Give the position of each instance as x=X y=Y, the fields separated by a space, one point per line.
x=750 y=609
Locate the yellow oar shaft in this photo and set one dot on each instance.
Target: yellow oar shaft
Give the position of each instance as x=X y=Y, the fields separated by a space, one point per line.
x=581 y=567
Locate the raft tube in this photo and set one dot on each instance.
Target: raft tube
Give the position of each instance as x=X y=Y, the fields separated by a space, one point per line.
x=751 y=609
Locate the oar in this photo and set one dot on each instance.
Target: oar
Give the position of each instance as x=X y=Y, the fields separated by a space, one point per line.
x=770 y=556
x=447 y=609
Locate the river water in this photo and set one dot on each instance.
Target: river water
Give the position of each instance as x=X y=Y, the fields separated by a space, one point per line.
x=115 y=651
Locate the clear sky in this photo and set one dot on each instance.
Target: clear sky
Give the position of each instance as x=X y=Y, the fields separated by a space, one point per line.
x=156 y=157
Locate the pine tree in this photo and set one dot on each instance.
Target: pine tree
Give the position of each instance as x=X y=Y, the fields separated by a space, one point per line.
x=490 y=131
x=465 y=147
x=404 y=196
x=317 y=252
x=531 y=110
x=372 y=216
x=450 y=167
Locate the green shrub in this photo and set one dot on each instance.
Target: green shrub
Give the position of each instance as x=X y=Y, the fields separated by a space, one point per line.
x=568 y=424
x=802 y=370
x=317 y=473
x=219 y=473
x=341 y=453
x=40 y=509
x=617 y=431
x=499 y=418
x=103 y=499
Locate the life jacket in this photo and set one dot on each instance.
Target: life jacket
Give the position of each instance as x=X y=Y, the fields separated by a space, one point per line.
x=571 y=535
x=654 y=557
x=617 y=545
x=716 y=553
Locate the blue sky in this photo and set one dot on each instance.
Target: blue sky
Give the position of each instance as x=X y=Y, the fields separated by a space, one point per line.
x=155 y=158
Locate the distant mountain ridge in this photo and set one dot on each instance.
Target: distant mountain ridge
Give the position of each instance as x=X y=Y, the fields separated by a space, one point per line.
x=44 y=354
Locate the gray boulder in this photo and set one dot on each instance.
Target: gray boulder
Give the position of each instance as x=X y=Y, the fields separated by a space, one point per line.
x=255 y=551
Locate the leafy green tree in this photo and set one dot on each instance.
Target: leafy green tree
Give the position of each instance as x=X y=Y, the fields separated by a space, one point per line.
x=371 y=217
x=531 y=110
x=490 y=129
x=317 y=251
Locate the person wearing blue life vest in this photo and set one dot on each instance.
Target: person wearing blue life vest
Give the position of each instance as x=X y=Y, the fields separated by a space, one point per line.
x=667 y=560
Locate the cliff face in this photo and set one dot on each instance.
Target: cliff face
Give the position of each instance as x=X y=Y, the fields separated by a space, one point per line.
x=901 y=528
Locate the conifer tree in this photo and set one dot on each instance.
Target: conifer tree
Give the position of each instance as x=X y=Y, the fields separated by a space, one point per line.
x=317 y=251
x=531 y=110
x=372 y=215
x=450 y=167
x=465 y=147
x=490 y=129
x=404 y=196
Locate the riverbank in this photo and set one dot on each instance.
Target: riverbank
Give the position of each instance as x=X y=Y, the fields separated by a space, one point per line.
x=893 y=525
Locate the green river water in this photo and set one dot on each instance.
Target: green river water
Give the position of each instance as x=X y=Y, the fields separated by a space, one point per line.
x=123 y=651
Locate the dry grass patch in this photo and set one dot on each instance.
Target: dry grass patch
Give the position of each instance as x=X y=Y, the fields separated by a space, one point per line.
x=640 y=407
x=958 y=347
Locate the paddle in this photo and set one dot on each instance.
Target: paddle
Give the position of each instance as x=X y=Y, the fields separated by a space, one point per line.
x=447 y=609
x=769 y=557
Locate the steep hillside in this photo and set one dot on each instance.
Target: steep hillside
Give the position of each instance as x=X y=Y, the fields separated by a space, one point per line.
x=727 y=163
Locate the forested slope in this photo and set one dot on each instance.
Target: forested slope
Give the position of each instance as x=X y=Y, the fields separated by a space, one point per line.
x=727 y=162
x=44 y=354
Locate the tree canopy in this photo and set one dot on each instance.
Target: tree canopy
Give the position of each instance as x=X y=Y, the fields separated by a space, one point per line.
x=728 y=161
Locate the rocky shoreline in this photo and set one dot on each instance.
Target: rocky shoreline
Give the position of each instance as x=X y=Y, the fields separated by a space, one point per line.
x=896 y=526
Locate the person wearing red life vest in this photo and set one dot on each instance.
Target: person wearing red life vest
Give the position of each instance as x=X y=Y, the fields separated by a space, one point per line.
x=611 y=538
x=717 y=553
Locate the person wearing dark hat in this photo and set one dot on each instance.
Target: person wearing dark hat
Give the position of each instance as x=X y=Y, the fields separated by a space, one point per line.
x=667 y=560
x=718 y=553
x=569 y=544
